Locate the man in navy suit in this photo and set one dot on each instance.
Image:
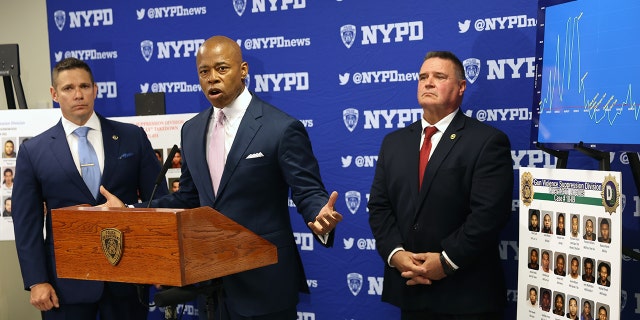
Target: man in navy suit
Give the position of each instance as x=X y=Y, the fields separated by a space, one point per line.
x=48 y=176
x=439 y=240
x=268 y=153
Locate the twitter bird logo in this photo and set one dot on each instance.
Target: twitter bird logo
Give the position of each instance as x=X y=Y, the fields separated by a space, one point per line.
x=140 y=14
x=346 y=161
x=348 y=243
x=144 y=87
x=58 y=56
x=344 y=78
x=464 y=26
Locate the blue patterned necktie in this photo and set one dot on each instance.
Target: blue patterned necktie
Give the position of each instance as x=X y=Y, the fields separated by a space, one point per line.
x=88 y=161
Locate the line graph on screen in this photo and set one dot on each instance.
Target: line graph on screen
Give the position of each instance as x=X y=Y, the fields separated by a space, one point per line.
x=588 y=74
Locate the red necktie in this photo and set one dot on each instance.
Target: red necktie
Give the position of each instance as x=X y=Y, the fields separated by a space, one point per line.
x=425 y=150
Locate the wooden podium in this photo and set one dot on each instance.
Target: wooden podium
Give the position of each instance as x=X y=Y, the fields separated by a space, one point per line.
x=173 y=247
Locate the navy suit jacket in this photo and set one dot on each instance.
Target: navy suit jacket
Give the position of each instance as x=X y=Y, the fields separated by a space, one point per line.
x=464 y=203
x=254 y=193
x=47 y=175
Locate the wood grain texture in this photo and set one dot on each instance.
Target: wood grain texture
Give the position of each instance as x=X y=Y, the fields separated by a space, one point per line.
x=174 y=247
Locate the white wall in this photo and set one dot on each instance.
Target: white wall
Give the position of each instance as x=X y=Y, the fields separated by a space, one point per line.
x=25 y=23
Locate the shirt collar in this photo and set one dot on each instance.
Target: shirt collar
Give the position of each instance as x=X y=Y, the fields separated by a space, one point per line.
x=441 y=125
x=238 y=106
x=93 y=123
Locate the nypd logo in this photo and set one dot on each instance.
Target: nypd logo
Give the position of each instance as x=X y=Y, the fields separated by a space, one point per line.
x=170 y=49
x=382 y=33
x=298 y=81
x=170 y=12
x=498 y=23
x=471 y=69
x=83 y=19
x=375 y=119
x=348 y=35
x=259 y=6
x=350 y=118
x=354 y=282
x=352 y=198
x=512 y=68
x=107 y=89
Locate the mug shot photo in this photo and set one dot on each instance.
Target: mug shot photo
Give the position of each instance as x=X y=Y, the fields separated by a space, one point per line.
x=546 y=261
x=532 y=297
x=587 y=313
x=575 y=226
x=589 y=235
x=587 y=267
x=560 y=267
x=558 y=304
x=560 y=229
x=573 y=308
x=9 y=149
x=545 y=299
x=604 y=271
x=602 y=311
x=534 y=217
x=546 y=224
x=574 y=269
x=533 y=259
x=604 y=229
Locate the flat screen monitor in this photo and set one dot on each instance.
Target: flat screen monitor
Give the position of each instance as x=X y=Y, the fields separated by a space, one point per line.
x=587 y=86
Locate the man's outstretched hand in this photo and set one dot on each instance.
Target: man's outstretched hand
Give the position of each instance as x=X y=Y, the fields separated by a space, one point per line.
x=328 y=217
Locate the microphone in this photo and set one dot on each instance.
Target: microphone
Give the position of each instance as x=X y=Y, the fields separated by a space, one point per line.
x=163 y=172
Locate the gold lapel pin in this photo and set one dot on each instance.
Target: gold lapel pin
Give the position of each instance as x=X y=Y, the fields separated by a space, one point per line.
x=114 y=137
x=453 y=136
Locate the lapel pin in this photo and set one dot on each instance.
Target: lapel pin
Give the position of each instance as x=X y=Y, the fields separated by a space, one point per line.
x=453 y=136
x=114 y=137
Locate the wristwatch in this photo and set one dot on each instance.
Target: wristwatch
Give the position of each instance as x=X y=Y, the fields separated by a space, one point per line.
x=448 y=270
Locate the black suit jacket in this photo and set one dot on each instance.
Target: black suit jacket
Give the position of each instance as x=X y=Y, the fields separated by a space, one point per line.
x=461 y=208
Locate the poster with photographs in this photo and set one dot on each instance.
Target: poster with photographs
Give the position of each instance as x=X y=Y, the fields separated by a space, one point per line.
x=17 y=126
x=570 y=242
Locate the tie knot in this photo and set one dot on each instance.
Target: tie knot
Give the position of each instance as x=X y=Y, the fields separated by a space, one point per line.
x=220 y=117
x=429 y=132
x=81 y=131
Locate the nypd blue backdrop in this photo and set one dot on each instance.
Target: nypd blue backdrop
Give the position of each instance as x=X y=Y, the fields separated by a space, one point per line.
x=347 y=69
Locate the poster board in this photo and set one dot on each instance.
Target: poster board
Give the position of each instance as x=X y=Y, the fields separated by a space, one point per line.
x=570 y=243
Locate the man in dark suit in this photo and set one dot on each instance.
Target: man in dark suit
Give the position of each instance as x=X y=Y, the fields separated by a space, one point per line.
x=48 y=176
x=439 y=238
x=267 y=154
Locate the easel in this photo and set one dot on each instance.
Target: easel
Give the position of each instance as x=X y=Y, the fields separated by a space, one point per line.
x=10 y=70
x=604 y=165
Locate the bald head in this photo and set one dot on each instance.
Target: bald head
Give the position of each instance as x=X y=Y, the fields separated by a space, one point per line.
x=221 y=70
x=220 y=43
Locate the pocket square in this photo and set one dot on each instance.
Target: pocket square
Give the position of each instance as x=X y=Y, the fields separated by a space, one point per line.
x=255 y=155
x=126 y=155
